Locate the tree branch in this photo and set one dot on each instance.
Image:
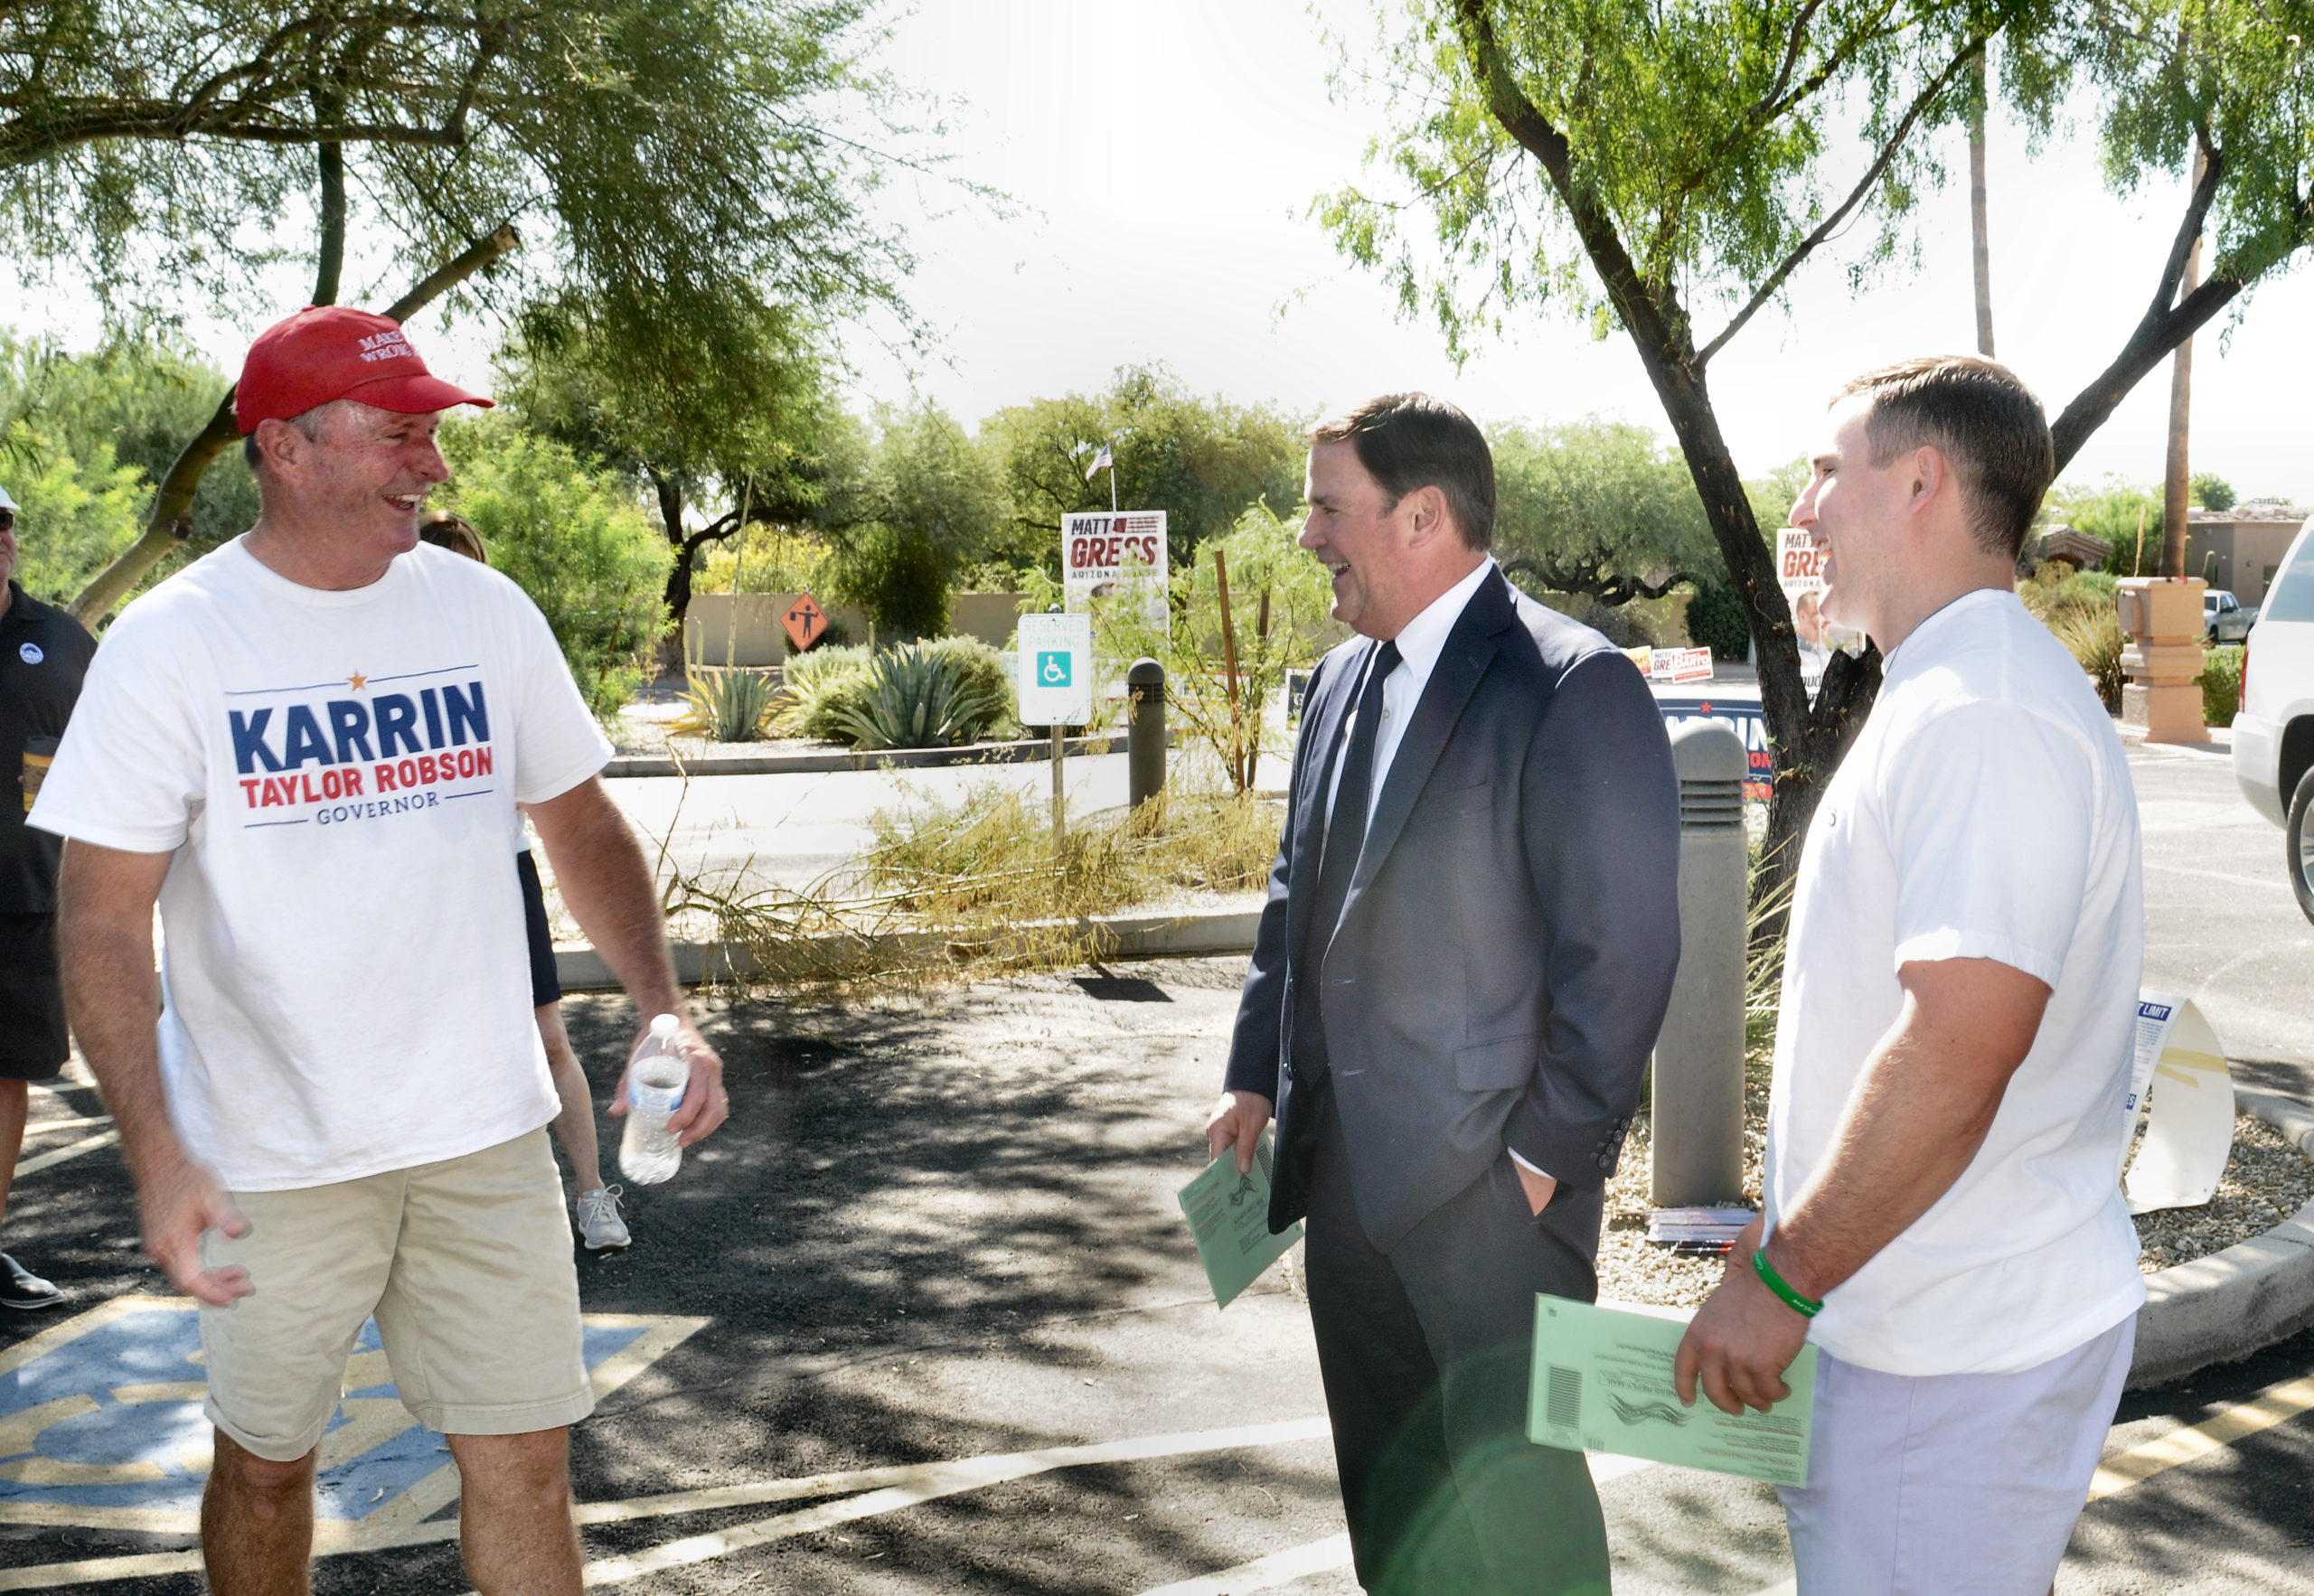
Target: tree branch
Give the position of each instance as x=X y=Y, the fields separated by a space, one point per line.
x=1791 y=263
x=171 y=520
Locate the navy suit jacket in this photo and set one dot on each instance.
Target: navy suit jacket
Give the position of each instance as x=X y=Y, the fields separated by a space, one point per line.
x=1505 y=954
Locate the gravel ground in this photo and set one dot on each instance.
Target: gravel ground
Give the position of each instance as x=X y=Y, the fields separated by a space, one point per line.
x=1630 y=1270
x=2266 y=1181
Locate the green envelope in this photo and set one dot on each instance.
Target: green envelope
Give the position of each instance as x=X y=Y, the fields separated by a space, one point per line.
x=1228 y=1213
x=1602 y=1383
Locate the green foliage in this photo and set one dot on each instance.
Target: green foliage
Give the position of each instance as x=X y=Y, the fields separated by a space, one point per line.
x=820 y=687
x=72 y=518
x=572 y=539
x=142 y=399
x=1598 y=507
x=727 y=706
x=921 y=697
x=2115 y=511
x=1716 y=620
x=2212 y=491
x=83 y=439
x=1280 y=599
x=1201 y=460
x=905 y=509
x=676 y=164
x=2221 y=681
x=2081 y=608
x=768 y=559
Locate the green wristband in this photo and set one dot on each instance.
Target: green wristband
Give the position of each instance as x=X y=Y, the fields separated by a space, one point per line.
x=1775 y=1282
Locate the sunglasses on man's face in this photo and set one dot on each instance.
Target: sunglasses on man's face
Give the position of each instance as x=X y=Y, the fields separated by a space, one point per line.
x=7 y=521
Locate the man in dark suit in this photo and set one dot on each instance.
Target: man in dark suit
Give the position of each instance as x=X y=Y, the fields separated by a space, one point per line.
x=1472 y=930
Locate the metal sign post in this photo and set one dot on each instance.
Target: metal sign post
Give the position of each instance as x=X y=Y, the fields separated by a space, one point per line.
x=1057 y=688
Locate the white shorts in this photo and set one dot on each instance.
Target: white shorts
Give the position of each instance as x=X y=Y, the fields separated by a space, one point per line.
x=1952 y=1485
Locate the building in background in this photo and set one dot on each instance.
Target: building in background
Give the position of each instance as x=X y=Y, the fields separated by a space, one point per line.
x=2249 y=541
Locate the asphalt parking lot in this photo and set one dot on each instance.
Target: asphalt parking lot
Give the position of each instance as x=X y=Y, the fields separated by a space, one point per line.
x=925 y=1317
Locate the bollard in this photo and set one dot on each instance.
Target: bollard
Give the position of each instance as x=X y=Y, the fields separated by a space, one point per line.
x=1699 y=1086
x=1145 y=731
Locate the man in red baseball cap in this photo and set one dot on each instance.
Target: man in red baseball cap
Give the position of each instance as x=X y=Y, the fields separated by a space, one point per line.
x=333 y=352
x=314 y=748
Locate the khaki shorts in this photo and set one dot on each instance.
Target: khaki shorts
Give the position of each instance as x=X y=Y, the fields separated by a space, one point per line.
x=466 y=1264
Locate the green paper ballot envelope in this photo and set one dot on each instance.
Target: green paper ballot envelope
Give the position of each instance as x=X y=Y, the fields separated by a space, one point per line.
x=1228 y=1213
x=1602 y=1383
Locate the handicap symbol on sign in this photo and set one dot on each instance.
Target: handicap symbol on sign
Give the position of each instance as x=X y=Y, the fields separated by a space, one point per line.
x=1053 y=668
x=101 y=1424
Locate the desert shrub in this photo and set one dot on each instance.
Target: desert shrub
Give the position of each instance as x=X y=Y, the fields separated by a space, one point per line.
x=817 y=686
x=574 y=540
x=920 y=696
x=728 y=706
x=2096 y=639
x=982 y=669
x=2221 y=681
x=2081 y=608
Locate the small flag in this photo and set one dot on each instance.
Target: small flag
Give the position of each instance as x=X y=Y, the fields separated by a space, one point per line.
x=1100 y=461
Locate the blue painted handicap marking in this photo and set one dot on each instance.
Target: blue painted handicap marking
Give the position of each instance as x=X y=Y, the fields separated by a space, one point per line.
x=1053 y=668
x=101 y=1420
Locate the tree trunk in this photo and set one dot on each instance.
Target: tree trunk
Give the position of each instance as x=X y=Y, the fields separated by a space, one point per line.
x=1980 y=235
x=170 y=522
x=1806 y=739
x=330 y=265
x=2176 y=482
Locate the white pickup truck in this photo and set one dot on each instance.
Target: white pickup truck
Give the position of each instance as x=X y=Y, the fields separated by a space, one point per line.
x=2273 y=733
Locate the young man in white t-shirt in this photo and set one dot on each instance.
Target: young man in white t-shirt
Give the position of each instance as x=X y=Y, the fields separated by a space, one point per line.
x=308 y=747
x=1953 y=1057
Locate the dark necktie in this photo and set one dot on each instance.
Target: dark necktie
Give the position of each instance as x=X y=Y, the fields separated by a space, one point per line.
x=1338 y=862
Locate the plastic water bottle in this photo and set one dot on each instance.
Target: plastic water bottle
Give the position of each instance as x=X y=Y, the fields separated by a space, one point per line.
x=647 y=1154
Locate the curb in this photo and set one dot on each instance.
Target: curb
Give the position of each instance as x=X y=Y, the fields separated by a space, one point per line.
x=1196 y=935
x=2231 y=1304
x=1013 y=753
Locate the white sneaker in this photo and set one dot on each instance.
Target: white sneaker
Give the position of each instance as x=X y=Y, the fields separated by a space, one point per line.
x=599 y=1224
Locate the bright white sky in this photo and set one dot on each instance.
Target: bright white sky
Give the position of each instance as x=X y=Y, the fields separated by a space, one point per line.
x=1162 y=152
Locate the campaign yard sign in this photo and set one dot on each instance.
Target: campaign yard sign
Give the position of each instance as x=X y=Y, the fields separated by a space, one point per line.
x=1105 y=552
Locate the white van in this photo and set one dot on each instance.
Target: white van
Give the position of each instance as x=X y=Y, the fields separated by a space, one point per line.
x=2273 y=733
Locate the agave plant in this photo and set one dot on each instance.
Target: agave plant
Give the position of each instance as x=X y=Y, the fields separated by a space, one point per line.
x=918 y=697
x=728 y=706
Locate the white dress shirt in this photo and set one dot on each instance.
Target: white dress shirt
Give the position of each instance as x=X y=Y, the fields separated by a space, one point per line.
x=1420 y=643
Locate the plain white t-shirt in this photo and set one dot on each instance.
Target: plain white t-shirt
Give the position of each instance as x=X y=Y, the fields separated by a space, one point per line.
x=345 y=983
x=1984 y=812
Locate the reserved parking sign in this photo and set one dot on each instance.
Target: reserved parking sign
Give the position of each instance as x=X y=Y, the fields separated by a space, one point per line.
x=1056 y=670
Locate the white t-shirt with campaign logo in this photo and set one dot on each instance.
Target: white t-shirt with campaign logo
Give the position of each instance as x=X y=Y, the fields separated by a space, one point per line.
x=1984 y=812
x=346 y=981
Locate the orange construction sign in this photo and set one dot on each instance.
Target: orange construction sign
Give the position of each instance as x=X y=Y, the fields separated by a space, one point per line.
x=804 y=622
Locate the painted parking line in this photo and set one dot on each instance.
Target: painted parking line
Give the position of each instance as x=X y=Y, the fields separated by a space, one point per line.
x=50 y=1127
x=902 y=1486
x=1298 y=1562
x=34 y=1165
x=2274 y=1405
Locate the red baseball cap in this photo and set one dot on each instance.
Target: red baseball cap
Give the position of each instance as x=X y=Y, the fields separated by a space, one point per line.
x=333 y=352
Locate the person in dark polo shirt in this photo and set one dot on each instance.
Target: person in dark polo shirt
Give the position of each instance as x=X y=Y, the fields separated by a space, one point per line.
x=43 y=654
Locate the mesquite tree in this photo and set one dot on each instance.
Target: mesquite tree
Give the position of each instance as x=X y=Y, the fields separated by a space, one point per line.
x=678 y=169
x=1666 y=170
